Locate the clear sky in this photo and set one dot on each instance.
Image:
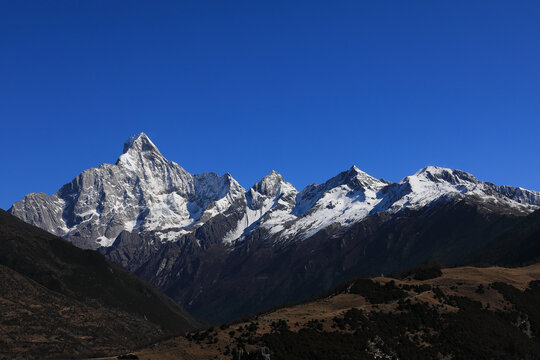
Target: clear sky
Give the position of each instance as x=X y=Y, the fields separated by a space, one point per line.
x=307 y=88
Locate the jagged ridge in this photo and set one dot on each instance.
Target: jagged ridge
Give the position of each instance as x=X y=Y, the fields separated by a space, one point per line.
x=145 y=193
x=221 y=251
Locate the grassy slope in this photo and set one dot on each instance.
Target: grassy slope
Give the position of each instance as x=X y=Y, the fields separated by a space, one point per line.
x=464 y=314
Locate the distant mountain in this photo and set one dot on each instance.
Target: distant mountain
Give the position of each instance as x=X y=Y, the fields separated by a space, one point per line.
x=145 y=193
x=221 y=250
x=142 y=192
x=57 y=299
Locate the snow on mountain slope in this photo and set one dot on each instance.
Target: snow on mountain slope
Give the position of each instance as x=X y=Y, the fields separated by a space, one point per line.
x=271 y=198
x=353 y=195
x=144 y=192
x=430 y=183
x=345 y=198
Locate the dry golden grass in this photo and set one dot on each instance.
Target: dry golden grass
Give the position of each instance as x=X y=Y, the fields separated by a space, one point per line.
x=462 y=281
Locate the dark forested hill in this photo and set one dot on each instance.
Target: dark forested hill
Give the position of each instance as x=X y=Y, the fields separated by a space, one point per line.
x=53 y=292
x=518 y=245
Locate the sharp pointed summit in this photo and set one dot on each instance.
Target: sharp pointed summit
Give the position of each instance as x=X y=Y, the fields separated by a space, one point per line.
x=139 y=142
x=140 y=152
x=270 y=184
x=359 y=178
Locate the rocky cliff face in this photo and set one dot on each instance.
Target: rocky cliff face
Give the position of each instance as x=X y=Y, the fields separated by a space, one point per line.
x=199 y=237
x=143 y=192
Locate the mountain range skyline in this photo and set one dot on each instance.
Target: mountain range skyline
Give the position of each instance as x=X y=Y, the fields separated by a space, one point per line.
x=7 y=205
x=270 y=179
x=189 y=234
x=143 y=191
x=390 y=87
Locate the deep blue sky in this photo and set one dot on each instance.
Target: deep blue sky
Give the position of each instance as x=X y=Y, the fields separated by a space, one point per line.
x=307 y=88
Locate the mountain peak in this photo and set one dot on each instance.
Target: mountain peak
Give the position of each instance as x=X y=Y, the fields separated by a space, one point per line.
x=433 y=170
x=354 y=171
x=139 y=143
x=273 y=175
x=437 y=173
x=138 y=151
x=271 y=184
x=355 y=178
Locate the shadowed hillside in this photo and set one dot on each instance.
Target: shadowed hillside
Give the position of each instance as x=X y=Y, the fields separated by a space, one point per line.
x=59 y=299
x=517 y=246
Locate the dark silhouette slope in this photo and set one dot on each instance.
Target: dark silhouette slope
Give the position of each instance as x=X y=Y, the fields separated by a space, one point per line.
x=519 y=245
x=82 y=278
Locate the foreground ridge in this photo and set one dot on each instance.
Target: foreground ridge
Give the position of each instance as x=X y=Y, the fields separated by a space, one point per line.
x=424 y=313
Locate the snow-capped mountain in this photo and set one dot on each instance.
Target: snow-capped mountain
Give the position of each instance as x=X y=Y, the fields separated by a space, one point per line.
x=141 y=192
x=221 y=250
x=353 y=195
x=144 y=192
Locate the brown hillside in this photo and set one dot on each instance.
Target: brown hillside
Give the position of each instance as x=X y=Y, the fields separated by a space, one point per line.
x=449 y=295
